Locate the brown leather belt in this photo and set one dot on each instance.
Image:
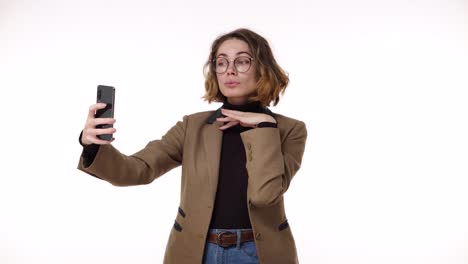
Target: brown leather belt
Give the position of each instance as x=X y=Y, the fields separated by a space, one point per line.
x=227 y=239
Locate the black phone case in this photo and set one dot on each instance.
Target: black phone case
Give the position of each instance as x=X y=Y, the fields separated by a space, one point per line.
x=105 y=94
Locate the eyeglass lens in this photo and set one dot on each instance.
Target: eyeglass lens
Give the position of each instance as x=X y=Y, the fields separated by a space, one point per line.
x=242 y=64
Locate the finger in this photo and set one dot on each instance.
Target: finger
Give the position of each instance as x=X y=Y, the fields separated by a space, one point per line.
x=228 y=125
x=231 y=111
x=232 y=117
x=102 y=121
x=228 y=112
x=225 y=119
x=102 y=131
x=246 y=120
x=99 y=141
x=94 y=107
x=89 y=133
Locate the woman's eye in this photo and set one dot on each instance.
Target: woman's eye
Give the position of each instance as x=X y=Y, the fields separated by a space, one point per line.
x=220 y=63
x=243 y=61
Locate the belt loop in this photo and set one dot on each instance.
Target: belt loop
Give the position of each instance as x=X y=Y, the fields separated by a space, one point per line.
x=238 y=233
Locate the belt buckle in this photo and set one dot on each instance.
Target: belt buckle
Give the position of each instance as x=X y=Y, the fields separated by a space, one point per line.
x=218 y=239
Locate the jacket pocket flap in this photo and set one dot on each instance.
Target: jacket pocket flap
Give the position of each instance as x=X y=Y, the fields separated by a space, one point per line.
x=177 y=226
x=283 y=225
x=181 y=212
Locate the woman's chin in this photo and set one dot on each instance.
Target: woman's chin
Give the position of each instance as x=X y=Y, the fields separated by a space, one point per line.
x=231 y=94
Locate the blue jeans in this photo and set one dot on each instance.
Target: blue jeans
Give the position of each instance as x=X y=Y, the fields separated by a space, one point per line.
x=245 y=253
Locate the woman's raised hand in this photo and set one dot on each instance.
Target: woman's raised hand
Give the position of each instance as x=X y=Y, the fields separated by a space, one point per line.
x=246 y=119
x=90 y=132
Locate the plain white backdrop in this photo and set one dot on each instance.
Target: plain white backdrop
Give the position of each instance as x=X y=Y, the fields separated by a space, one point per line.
x=381 y=85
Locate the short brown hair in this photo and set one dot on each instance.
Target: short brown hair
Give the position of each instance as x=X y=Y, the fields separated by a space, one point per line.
x=271 y=78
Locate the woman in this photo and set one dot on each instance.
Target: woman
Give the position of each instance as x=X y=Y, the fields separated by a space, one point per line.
x=237 y=161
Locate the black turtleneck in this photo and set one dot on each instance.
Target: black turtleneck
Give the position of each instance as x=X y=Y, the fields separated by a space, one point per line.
x=230 y=210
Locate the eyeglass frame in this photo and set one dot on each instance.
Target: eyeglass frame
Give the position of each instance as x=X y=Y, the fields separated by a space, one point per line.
x=229 y=63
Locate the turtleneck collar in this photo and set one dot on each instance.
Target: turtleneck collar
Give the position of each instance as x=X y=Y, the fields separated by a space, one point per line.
x=254 y=106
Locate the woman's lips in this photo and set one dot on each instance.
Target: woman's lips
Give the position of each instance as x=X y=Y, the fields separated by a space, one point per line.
x=231 y=84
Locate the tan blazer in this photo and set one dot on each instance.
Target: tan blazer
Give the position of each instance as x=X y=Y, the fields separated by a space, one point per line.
x=273 y=155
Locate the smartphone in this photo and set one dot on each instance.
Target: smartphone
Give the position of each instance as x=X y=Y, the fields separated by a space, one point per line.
x=105 y=94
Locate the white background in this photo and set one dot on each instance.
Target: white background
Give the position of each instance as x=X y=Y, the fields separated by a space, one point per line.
x=381 y=85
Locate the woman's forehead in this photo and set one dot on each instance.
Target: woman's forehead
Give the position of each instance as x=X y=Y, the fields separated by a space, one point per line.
x=233 y=47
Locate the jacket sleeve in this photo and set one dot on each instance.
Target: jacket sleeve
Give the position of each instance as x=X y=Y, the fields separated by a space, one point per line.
x=89 y=152
x=157 y=158
x=272 y=162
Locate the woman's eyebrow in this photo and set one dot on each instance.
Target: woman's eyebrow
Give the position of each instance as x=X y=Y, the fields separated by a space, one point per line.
x=238 y=53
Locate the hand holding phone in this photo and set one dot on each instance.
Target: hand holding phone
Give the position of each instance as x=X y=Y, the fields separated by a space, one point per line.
x=99 y=124
x=105 y=94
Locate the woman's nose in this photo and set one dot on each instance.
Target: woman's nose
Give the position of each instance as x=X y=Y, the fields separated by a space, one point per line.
x=231 y=70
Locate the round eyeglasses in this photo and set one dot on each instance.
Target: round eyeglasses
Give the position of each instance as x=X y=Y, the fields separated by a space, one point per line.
x=241 y=63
